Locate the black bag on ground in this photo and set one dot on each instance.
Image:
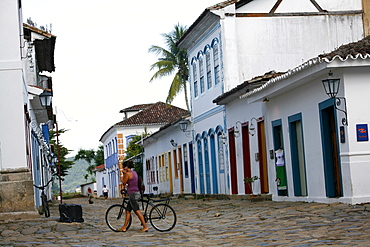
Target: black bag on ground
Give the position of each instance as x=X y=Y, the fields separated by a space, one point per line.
x=70 y=213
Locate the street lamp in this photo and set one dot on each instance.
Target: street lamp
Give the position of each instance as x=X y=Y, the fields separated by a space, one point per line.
x=58 y=159
x=45 y=98
x=183 y=124
x=252 y=129
x=331 y=86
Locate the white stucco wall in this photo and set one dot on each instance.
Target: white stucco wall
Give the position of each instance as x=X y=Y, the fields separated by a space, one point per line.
x=160 y=144
x=264 y=6
x=253 y=46
x=305 y=99
x=12 y=93
x=239 y=112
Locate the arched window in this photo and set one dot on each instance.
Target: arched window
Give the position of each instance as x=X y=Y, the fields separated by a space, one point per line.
x=201 y=74
x=195 y=83
x=216 y=63
x=208 y=68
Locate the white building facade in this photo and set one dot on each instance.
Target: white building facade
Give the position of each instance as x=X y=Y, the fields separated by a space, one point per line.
x=139 y=119
x=25 y=153
x=236 y=41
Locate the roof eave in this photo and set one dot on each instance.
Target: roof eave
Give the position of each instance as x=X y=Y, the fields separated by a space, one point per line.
x=204 y=22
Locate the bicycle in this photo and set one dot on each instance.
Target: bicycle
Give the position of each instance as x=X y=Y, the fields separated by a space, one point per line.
x=44 y=199
x=161 y=216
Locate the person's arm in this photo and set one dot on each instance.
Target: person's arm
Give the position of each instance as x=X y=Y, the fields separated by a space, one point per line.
x=125 y=178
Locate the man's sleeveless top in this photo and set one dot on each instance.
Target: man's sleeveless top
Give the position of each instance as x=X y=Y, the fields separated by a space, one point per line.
x=133 y=183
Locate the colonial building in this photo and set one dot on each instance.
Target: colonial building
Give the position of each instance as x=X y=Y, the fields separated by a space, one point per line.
x=138 y=119
x=234 y=41
x=25 y=152
x=236 y=48
x=317 y=139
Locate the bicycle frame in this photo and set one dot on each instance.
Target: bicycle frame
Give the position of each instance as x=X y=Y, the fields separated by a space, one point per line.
x=160 y=214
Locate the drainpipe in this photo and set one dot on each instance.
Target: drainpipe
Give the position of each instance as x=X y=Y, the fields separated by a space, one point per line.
x=366 y=17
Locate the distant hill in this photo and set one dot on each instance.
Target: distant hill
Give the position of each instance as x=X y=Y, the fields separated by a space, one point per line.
x=75 y=176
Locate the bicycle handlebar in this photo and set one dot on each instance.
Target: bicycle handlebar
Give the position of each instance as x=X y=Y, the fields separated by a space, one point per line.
x=43 y=187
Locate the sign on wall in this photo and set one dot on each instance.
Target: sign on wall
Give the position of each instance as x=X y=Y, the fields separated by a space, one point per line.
x=362 y=132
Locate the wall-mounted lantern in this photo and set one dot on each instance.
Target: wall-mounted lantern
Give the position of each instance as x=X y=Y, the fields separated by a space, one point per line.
x=45 y=98
x=183 y=124
x=252 y=128
x=331 y=86
x=173 y=143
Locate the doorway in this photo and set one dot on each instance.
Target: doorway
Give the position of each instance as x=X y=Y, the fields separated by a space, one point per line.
x=233 y=168
x=330 y=148
x=297 y=154
x=281 y=180
x=262 y=157
x=246 y=157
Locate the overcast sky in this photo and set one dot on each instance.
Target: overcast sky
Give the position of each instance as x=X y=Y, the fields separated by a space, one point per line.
x=102 y=60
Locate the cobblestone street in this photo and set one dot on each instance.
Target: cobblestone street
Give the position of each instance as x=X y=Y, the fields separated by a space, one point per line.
x=204 y=223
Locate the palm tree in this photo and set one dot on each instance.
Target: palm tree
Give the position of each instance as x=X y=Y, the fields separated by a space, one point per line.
x=172 y=60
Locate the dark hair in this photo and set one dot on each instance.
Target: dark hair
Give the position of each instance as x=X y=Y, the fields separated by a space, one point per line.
x=129 y=164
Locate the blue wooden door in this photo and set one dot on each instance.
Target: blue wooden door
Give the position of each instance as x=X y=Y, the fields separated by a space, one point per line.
x=206 y=164
x=200 y=163
x=214 y=165
x=330 y=147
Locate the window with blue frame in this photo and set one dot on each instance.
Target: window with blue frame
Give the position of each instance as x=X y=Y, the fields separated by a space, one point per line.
x=216 y=63
x=201 y=74
x=208 y=68
x=195 y=80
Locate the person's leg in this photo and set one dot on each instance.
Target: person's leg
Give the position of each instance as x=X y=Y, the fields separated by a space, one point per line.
x=142 y=220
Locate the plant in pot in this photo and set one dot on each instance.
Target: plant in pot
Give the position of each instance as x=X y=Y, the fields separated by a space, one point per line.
x=249 y=181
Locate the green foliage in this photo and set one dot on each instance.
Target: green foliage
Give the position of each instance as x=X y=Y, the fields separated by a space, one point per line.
x=134 y=149
x=65 y=164
x=75 y=176
x=92 y=157
x=172 y=59
x=99 y=156
x=249 y=181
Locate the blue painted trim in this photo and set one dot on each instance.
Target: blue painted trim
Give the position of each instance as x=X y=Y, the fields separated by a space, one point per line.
x=204 y=134
x=209 y=113
x=294 y=154
x=219 y=129
x=211 y=132
x=200 y=54
x=214 y=42
x=207 y=48
x=276 y=122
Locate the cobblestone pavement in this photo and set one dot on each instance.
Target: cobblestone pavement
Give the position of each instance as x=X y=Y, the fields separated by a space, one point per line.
x=204 y=223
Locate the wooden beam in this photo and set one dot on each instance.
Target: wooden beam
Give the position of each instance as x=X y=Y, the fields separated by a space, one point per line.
x=366 y=17
x=275 y=6
x=317 y=6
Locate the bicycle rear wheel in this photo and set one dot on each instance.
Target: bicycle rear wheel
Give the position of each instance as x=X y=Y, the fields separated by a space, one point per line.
x=162 y=217
x=45 y=206
x=115 y=217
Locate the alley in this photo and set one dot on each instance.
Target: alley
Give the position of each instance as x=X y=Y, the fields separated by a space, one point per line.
x=204 y=223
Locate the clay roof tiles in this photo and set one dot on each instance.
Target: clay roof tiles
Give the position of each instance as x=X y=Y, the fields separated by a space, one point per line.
x=158 y=113
x=354 y=49
x=136 y=107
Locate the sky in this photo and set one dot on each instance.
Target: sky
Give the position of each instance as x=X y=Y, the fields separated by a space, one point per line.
x=102 y=60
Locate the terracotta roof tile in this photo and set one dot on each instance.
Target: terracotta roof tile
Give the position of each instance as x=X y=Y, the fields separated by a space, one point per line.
x=222 y=4
x=136 y=107
x=246 y=87
x=361 y=47
x=158 y=113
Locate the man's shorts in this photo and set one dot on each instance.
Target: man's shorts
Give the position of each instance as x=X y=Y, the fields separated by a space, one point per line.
x=133 y=204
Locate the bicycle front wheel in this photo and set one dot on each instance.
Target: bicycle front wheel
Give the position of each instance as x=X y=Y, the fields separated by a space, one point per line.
x=115 y=217
x=162 y=217
x=45 y=206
